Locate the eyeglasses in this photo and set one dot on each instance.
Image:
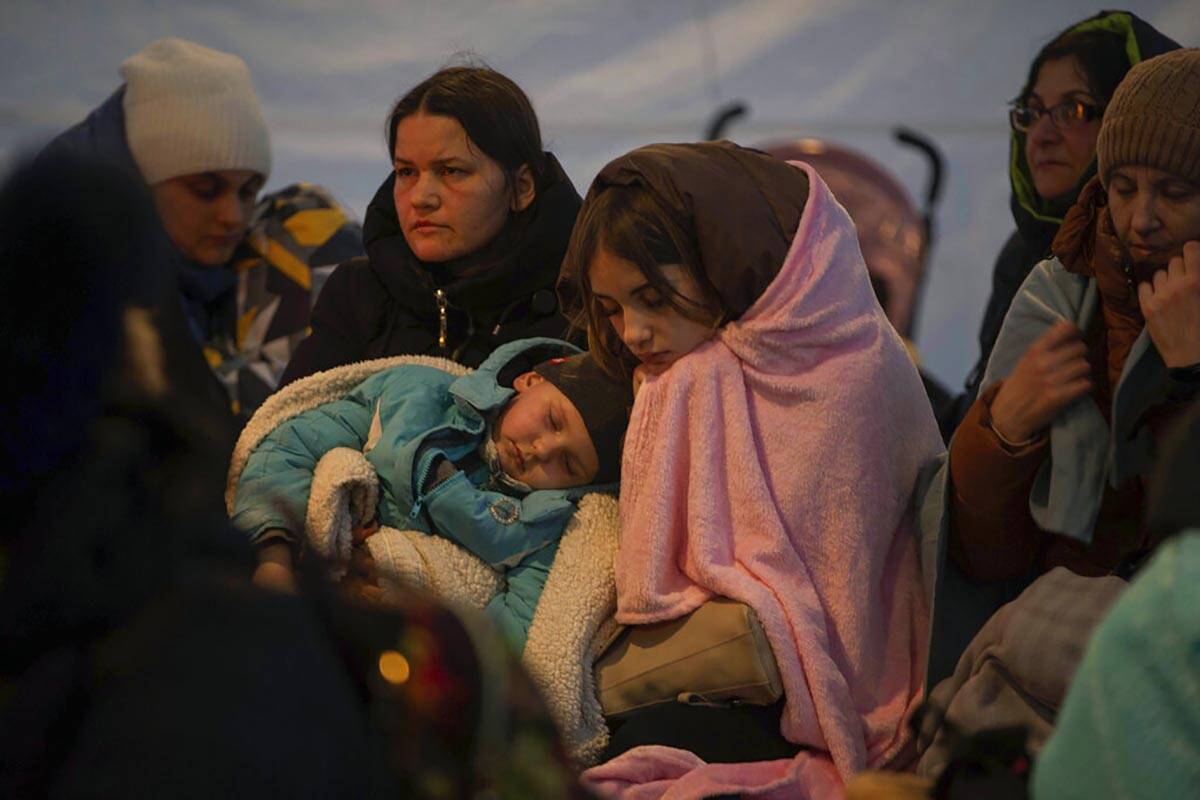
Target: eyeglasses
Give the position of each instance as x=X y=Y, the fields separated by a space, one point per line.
x=1063 y=115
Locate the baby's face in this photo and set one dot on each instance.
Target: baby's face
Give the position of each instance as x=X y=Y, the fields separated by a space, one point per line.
x=541 y=438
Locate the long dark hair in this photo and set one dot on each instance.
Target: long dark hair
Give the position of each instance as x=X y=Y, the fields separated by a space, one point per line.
x=630 y=223
x=1100 y=54
x=495 y=113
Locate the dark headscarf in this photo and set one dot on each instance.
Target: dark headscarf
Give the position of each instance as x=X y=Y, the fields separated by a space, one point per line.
x=741 y=207
x=1037 y=217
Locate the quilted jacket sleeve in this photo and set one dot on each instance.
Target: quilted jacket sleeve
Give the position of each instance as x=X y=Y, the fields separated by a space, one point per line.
x=499 y=529
x=274 y=486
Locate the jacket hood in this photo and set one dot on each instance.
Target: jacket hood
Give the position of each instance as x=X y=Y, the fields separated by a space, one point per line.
x=523 y=258
x=1038 y=218
x=100 y=135
x=488 y=388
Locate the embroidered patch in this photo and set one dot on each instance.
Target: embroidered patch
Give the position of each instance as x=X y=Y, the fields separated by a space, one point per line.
x=506 y=512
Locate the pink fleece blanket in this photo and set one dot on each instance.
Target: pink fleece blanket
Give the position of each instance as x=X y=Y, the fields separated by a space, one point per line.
x=774 y=465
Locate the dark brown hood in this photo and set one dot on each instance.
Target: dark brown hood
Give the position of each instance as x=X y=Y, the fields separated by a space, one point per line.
x=740 y=206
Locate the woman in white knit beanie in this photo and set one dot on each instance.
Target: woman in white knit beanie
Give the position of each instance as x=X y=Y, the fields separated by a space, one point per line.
x=195 y=129
x=187 y=120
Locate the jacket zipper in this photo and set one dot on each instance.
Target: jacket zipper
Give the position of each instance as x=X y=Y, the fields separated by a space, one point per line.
x=440 y=296
x=419 y=495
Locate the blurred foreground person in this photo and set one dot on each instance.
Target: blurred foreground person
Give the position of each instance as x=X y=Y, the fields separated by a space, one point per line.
x=136 y=658
x=188 y=122
x=1130 y=724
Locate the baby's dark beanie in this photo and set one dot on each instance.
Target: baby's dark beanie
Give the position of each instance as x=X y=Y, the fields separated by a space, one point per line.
x=603 y=401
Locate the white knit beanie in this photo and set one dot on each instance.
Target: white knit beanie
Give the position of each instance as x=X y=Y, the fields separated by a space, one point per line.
x=192 y=109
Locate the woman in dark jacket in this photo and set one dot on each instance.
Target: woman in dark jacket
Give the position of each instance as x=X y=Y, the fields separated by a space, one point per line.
x=463 y=239
x=1055 y=120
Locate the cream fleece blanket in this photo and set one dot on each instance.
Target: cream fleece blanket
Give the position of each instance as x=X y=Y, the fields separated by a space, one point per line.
x=573 y=619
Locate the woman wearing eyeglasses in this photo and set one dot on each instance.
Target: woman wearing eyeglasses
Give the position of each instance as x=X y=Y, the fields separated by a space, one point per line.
x=1055 y=120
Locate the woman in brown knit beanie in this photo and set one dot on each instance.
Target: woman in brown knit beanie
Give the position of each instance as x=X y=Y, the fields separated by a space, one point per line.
x=1154 y=118
x=1099 y=352
x=1149 y=163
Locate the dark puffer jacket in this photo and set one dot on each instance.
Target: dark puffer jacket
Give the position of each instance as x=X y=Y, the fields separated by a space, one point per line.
x=390 y=303
x=1038 y=219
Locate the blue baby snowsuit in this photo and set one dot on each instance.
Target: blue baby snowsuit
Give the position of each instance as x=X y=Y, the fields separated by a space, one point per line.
x=404 y=419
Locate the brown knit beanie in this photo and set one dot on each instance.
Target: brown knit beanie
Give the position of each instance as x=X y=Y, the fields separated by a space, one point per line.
x=1154 y=118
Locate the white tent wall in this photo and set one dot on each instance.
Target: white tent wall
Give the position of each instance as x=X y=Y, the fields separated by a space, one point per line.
x=605 y=77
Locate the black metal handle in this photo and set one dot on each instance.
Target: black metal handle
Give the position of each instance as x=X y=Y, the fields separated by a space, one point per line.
x=723 y=117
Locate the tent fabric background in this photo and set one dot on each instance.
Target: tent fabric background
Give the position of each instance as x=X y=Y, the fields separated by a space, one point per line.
x=604 y=78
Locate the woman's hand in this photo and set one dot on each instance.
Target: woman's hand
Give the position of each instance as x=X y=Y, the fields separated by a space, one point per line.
x=1053 y=373
x=360 y=533
x=1171 y=306
x=362 y=577
x=274 y=570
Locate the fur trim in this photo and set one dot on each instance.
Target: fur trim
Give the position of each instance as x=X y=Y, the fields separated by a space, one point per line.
x=307 y=393
x=573 y=623
x=433 y=564
x=344 y=493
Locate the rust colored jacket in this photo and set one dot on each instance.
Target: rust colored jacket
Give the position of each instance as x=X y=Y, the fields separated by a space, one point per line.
x=992 y=534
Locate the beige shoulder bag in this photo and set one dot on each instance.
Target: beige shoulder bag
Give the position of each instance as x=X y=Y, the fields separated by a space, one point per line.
x=716 y=655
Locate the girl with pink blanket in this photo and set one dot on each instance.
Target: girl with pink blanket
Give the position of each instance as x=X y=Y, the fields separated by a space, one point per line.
x=773 y=450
